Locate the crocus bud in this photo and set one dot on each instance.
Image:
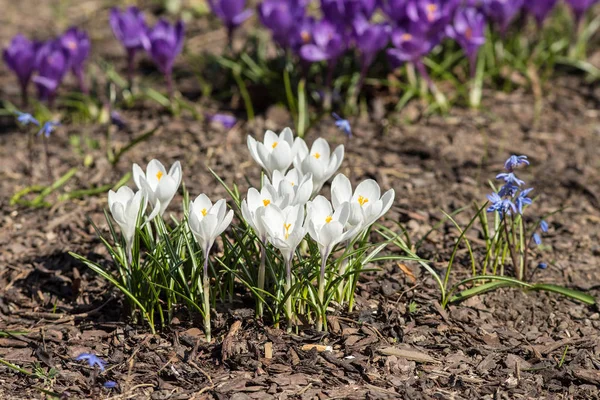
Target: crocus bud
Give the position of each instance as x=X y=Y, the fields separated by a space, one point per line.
x=77 y=43
x=19 y=56
x=52 y=64
x=231 y=12
x=166 y=42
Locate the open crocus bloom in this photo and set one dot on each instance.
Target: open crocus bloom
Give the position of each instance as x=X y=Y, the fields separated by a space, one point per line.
x=125 y=206
x=275 y=153
x=160 y=186
x=297 y=187
x=255 y=204
x=319 y=161
x=327 y=227
x=207 y=221
x=366 y=203
x=285 y=228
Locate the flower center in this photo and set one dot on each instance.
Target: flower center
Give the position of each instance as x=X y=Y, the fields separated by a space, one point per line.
x=469 y=33
x=159 y=175
x=305 y=36
x=406 y=37
x=287 y=230
x=431 y=9
x=274 y=145
x=362 y=200
x=72 y=45
x=203 y=212
x=328 y=219
x=317 y=156
x=266 y=202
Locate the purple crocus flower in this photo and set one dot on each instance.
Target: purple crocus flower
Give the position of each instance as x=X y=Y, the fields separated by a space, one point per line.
x=227 y=121
x=52 y=64
x=344 y=12
x=579 y=7
x=129 y=27
x=77 y=43
x=166 y=42
x=395 y=10
x=410 y=45
x=468 y=29
x=231 y=12
x=281 y=18
x=327 y=43
x=502 y=12
x=19 y=56
x=539 y=9
x=370 y=39
x=432 y=15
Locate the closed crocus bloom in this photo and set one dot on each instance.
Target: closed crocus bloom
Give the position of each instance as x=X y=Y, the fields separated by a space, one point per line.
x=77 y=43
x=52 y=64
x=293 y=185
x=327 y=43
x=125 y=207
x=232 y=12
x=579 y=7
x=255 y=204
x=19 y=56
x=275 y=153
x=166 y=42
x=468 y=29
x=129 y=27
x=370 y=39
x=319 y=161
x=207 y=221
x=159 y=186
x=502 y=12
x=285 y=228
x=281 y=18
x=343 y=12
x=395 y=9
x=539 y=9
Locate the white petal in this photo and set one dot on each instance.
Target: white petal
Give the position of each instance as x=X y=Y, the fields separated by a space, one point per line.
x=270 y=138
x=341 y=190
x=175 y=172
x=138 y=174
x=287 y=136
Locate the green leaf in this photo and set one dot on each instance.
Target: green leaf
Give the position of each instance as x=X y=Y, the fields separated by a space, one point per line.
x=477 y=290
x=571 y=293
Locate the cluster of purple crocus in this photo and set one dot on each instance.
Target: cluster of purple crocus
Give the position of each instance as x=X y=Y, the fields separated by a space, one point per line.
x=414 y=27
x=47 y=63
x=163 y=42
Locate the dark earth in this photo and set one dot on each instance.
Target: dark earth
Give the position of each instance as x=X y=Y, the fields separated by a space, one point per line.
x=398 y=343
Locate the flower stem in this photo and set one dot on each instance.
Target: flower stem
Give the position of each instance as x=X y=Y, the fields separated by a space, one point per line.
x=130 y=67
x=206 y=293
x=261 y=278
x=321 y=293
x=287 y=286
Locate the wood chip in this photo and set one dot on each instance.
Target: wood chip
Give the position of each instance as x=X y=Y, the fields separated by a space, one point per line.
x=320 y=348
x=412 y=355
x=268 y=350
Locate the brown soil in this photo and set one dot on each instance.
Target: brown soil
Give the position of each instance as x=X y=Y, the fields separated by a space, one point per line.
x=504 y=345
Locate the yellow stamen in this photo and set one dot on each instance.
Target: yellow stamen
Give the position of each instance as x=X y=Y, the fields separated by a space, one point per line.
x=305 y=37
x=287 y=229
x=469 y=33
x=406 y=37
x=72 y=45
x=274 y=145
x=431 y=9
x=362 y=200
x=266 y=202
x=317 y=155
x=328 y=219
x=203 y=212
x=292 y=183
x=159 y=175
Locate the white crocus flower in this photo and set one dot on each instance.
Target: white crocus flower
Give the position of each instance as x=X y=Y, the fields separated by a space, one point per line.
x=366 y=203
x=125 y=207
x=159 y=186
x=253 y=207
x=319 y=161
x=275 y=153
x=207 y=221
x=294 y=185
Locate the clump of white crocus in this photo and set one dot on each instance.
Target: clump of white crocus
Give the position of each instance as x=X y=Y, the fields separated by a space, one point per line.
x=327 y=228
x=125 y=207
x=253 y=211
x=294 y=185
x=207 y=221
x=275 y=153
x=160 y=187
x=367 y=204
x=285 y=231
x=319 y=161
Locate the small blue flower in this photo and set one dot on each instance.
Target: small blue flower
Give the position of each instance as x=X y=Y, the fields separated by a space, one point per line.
x=515 y=162
x=343 y=125
x=544 y=226
x=92 y=360
x=542 y=265
x=537 y=238
x=503 y=206
x=26 y=118
x=110 y=384
x=510 y=178
x=508 y=190
x=522 y=200
x=228 y=121
x=48 y=128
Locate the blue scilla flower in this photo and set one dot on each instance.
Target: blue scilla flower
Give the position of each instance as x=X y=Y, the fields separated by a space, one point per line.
x=522 y=200
x=515 y=162
x=500 y=204
x=48 y=128
x=544 y=226
x=110 y=384
x=26 y=118
x=542 y=265
x=508 y=190
x=343 y=124
x=537 y=238
x=92 y=360
x=510 y=178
